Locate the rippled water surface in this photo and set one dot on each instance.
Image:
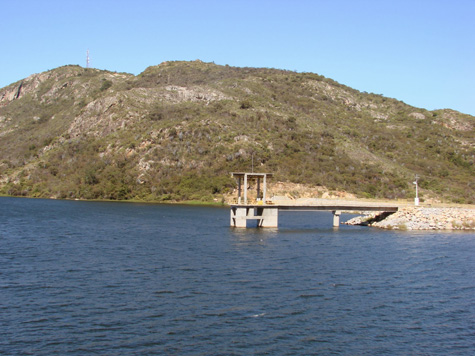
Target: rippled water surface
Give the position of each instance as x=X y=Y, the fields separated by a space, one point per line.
x=82 y=278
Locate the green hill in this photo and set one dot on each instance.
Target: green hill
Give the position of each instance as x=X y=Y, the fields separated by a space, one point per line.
x=175 y=131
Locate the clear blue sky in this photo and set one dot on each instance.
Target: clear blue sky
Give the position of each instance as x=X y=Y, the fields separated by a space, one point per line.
x=419 y=51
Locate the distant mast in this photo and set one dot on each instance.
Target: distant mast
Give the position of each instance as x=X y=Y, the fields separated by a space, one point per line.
x=87 y=59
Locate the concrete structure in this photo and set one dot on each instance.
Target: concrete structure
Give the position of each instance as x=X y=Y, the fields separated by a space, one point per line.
x=266 y=214
x=245 y=179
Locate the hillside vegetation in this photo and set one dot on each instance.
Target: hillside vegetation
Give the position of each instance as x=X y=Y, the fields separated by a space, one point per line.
x=178 y=129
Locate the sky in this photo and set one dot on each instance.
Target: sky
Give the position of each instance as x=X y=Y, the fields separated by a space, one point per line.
x=419 y=51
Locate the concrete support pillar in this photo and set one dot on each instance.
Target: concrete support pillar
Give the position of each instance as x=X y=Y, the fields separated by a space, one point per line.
x=258 y=188
x=238 y=217
x=245 y=188
x=239 y=190
x=264 y=196
x=336 y=218
x=270 y=217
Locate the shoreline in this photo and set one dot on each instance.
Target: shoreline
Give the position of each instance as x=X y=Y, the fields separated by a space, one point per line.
x=131 y=201
x=226 y=203
x=429 y=216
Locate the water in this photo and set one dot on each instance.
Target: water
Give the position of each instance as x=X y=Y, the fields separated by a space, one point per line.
x=83 y=278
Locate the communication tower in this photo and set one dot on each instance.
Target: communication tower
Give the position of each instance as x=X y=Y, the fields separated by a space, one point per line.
x=87 y=59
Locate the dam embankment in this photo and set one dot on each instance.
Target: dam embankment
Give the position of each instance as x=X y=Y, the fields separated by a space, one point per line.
x=420 y=218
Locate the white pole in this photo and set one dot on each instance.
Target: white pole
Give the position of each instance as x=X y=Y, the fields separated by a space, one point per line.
x=416 y=199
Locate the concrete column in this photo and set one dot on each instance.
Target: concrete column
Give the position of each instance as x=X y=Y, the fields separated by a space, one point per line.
x=270 y=217
x=238 y=217
x=258 y=188
x=264 y=197
x=245 y=188
x=336 y=218
x=239 y=190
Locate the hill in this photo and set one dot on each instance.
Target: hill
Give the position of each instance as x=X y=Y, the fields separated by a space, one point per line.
x=175 y=131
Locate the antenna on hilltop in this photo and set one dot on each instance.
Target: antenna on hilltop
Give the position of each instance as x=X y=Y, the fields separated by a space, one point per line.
x=87 y=59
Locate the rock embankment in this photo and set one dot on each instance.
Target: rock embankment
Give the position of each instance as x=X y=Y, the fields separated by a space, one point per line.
x=420 y=218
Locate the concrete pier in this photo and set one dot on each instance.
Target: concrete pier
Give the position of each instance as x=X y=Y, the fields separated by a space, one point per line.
x=267 y=216
x=336 y=218
x=239 y=216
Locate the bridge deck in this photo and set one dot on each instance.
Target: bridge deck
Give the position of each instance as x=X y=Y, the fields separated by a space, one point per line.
x=328 y=207
x=267 y=215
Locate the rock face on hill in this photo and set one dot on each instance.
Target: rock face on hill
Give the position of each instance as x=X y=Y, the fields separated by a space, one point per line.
x=421 y=218
x=175 y=131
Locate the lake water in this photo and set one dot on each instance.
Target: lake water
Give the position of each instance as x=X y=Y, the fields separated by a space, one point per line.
x=89 y=278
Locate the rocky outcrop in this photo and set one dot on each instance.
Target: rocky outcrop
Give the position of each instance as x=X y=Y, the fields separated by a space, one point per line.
x=177 y=93
x=420 y=218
